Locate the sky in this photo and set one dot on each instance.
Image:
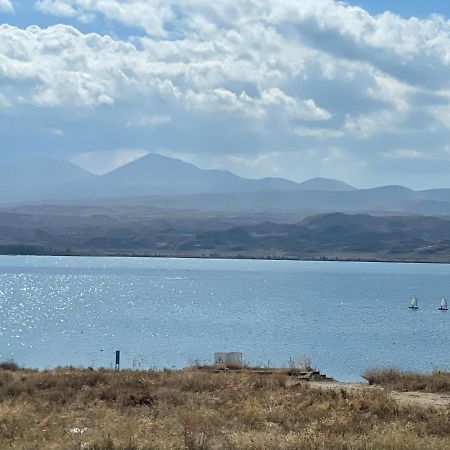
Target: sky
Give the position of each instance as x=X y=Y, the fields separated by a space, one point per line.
x=358 y=91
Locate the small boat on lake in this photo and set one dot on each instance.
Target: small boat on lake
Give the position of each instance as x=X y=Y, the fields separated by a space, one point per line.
x=444 y=305
x=414 y=303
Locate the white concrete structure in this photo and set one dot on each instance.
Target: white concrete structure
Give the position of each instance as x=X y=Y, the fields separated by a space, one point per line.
x=230 y=360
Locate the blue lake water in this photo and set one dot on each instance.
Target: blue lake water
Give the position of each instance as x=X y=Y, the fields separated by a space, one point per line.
x=345 y=317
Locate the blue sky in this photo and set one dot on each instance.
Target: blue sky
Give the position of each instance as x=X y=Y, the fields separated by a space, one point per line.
x=27 y=13
x=296 y=89
x=406 y=8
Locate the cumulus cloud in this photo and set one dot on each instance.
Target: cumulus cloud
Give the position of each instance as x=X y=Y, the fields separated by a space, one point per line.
x=6 y=6
x=65 y=66
x=248 y=78
x=150 y=15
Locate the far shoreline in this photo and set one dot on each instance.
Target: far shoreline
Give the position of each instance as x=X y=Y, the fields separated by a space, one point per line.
x=233 y=258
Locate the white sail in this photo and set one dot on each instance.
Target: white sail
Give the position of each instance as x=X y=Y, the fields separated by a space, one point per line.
x=414 y=302
x=444 y=303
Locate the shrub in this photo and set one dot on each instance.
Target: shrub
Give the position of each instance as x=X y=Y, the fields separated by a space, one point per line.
x=436 y=382
x=9 y=365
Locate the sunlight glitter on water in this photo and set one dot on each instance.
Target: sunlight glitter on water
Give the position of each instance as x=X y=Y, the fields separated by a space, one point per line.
x=168 y=312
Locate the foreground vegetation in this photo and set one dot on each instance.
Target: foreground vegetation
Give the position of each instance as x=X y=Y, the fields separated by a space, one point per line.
x=436 y=382
x=192 y=409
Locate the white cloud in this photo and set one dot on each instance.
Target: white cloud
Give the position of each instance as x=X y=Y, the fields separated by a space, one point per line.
x=150 y=15
x=253 y=77
x=214 y=47
x=67 y=67
x=441 y=113
x=318 y=133
x=368 y=125
x=6 y=6
x=404 y=37
x=295 y=108
x=142 y=120
x=273 y=101
x=4 y=102
x=403 y=153
x=55 y=132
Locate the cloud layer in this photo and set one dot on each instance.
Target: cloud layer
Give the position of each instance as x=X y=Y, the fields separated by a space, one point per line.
x=311 y=87
x=6 y=6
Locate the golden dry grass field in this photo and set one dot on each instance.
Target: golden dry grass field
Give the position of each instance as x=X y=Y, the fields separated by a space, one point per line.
x=69 y=409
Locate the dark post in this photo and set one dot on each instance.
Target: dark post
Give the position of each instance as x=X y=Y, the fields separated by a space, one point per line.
x=117 y=359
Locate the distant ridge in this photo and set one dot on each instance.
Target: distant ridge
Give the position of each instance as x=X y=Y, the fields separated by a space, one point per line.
x=169 y=175
x=161 y=182
x=325 y=184
x=34 y=180
x=152 y=174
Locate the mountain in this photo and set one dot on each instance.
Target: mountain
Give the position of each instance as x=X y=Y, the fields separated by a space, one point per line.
x=157 y=174
x=156 y=181
x=325 y=184
x=33 y=180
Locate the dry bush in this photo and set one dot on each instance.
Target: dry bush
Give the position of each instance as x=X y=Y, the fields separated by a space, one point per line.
x=198 y=410
x=437 y=382
x=9 y=365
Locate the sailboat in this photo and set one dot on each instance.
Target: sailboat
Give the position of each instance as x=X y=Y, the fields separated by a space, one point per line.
x=414 y=303
x=444 y=306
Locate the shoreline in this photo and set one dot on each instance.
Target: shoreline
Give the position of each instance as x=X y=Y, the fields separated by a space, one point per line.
x=231 y=258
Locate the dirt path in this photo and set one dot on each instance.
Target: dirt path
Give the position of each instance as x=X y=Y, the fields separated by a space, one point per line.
x=417 y=398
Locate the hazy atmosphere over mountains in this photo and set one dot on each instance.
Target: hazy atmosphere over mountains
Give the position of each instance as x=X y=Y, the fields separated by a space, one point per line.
x=233 y=128
x=157 y=206
x=152 y=174
x=158 y=181
x=356 y=91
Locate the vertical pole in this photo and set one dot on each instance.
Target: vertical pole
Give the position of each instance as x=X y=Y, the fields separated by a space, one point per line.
x=117 y=359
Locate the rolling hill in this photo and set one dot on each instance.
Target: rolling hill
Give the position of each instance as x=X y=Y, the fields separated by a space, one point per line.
x=328 y=236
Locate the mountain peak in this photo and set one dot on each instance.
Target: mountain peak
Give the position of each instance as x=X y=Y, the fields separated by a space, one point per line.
x=156 y=173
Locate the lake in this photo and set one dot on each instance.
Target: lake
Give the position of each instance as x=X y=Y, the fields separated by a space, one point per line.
x=345 y=317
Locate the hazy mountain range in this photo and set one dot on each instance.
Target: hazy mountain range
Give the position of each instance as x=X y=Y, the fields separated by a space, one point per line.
x=161 y=182
x=152 y=174
x=161 y=206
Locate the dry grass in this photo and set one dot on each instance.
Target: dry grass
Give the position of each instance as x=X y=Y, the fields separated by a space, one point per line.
x=105 y=410
x=436 y=382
